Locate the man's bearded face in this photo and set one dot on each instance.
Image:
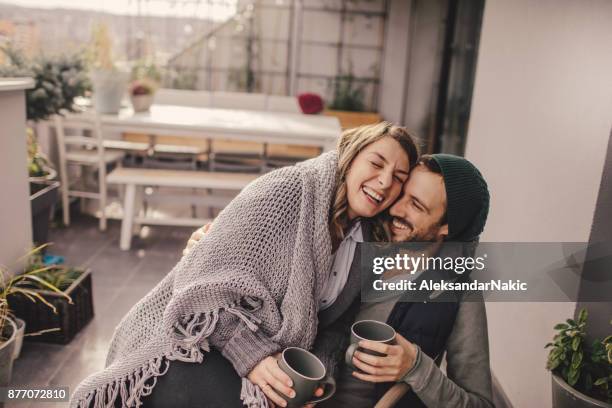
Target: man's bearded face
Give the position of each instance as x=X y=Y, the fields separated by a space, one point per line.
x=418 y=213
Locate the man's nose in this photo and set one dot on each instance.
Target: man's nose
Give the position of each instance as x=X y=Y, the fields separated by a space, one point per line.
x=396 y=209
x=399 y=207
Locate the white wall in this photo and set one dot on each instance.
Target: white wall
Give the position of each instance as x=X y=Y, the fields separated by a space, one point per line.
x=15 y=217
x=540 y=122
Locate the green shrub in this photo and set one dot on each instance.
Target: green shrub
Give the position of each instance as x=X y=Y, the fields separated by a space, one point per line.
x=586 y=367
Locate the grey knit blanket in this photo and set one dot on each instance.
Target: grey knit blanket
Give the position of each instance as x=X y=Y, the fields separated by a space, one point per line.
x=249 y=288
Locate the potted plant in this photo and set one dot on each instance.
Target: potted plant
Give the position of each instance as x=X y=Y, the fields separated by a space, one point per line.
x=142 y=93
x=8 y=332
x=146 y=78
x=581 y=372
x=347 y=103
x=71 y=306
x=109 y=83
x=58 y=81
x=14 y=287
x=43 y=189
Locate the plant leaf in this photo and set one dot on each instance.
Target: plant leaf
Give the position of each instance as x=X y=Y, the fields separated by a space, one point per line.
x=576 y=343
x=552 y=364
x=37 y=296
x=572 y=377
x=561 y=326
x=576 y=360
x=48 y=285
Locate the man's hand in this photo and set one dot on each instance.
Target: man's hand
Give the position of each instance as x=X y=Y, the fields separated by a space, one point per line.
x=196 y=236
x=271 y=379
x=398 y=360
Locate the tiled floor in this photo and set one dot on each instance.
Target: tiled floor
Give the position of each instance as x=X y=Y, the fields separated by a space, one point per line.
x=120 y=279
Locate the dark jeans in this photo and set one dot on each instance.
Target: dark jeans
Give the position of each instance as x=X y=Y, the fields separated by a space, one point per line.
x=212 y=384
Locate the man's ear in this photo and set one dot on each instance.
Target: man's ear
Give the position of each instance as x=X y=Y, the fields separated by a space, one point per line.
x=442 y=232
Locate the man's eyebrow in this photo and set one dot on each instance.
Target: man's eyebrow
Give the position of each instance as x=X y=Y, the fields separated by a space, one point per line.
x=415 y=198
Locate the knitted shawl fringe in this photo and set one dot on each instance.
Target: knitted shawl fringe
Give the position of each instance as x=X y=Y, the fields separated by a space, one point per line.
x=190 y=347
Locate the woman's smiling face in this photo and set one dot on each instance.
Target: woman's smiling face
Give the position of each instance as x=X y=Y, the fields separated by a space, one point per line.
x=376 y=177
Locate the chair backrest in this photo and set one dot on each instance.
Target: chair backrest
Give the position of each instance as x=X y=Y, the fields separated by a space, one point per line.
x=79 y=129
x=88 y=137
x=239 y=100
x=279 y=103
x=182 y=97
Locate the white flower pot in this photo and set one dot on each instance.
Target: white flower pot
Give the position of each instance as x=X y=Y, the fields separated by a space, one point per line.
x=142 y=103
x=109 y=87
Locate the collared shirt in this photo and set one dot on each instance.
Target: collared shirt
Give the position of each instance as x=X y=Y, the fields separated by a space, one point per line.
x=341 y=268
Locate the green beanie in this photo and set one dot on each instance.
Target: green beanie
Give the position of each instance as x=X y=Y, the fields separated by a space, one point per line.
x=467 y=197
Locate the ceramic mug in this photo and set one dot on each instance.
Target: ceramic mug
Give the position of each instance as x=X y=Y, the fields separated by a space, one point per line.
x=307 y=373
x=372 y=330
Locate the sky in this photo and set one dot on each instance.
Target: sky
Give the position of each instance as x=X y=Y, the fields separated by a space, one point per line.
x=213 y=9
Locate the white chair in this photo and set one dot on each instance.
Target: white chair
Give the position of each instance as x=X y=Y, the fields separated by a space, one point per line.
x=86 y=150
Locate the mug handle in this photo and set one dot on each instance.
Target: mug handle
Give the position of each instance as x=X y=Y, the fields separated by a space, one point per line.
x=329 y=389
x=348 y=356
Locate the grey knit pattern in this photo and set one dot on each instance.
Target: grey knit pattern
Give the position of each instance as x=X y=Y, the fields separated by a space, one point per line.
x=249 y=288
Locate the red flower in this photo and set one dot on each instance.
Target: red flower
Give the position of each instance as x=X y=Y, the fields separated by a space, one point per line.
x=310 y=103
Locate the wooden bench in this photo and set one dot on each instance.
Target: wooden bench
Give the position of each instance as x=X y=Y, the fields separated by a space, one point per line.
x=134 y=179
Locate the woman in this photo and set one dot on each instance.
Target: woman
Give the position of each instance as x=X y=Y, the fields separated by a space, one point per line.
x=254 y=284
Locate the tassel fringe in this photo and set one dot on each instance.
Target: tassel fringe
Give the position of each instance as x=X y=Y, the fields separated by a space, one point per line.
x=252 y=396
x=189 y=346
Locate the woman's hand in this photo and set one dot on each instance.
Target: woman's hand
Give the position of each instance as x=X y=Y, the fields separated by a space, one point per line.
x=398 y=360
x=318 y=393
x=196 y=236
x=271 y=379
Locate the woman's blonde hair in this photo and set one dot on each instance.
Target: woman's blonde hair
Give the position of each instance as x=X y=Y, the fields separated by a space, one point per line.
x=351 y=143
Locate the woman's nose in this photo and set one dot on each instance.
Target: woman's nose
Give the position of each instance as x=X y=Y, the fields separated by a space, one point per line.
x=385 y=178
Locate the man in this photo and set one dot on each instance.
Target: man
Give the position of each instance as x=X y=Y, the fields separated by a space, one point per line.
x=445 y=199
